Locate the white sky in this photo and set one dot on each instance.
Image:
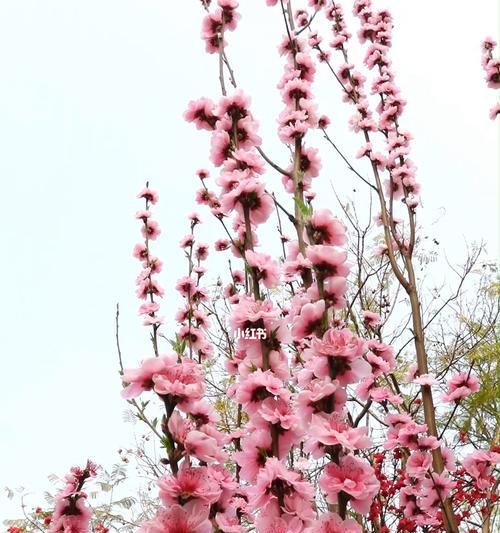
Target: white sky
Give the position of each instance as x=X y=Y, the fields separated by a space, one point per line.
x=91 y=98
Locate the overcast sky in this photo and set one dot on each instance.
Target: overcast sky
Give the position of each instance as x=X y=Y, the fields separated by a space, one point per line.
x=91 y=102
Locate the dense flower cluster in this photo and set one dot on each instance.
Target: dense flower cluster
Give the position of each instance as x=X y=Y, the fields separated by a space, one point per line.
x=296 y=457
x=223 y=18
x=320 y=424
x=199 y=487
x=72 y=513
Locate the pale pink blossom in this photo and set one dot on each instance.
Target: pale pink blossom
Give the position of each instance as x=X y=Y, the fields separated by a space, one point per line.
x=435 y=490
x=175 y=519
x=149 y=195
x=328 y=261
x=201 y=113
x=275 y=477
x=190 y=484
x=257 y=387
x=310 y=318
x=355 y=477
x=324 y=228
x=332 y=523
x=418 y=464
x=265 y=267
x=331 y=430
x=460 y=386
x=202 y=446
x=151 y=230
x=182 y=382
x=479 y=465
x=141 y=379
x=371 y=319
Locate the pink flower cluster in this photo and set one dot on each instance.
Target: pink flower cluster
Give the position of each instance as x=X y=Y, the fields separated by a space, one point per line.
x=199 y=490
x=192 y=318
x=223 y=18
x=491 y=67
x=300 y=113
x=262 y=366
x=71 y=513
x=376 y=28
x=290 y=386
x=233 y=147
x=332 y=357
x=148 y=288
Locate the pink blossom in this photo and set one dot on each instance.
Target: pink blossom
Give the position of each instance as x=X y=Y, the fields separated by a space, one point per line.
x=143 y=215
x=253 y=313
x=460 y=386
x=355 y=477
x=245 y=160
x=272 y=524
x=323 y=122
x=186 y=286
x=249 y=195
x=77 y=521
x=201 y=112
x=257 y=387
x=149 y=195
x=148 y=308
x=203 y=173
x=151 y=230
x=310 y=318
x=320 y=395
x=175 y=519
x=345 y=351
x=418 y=464
x=266 y=268
x=202 y=446
x=141 y=379
x=179 y=427
x=324 y=228
x=71 y=513
x=255 y=449
x=192 y=335
x=295 y=89
x=495 y=111
x=182 y=382
x=147 y=286
x=191 y=484
x=221 y=244
x=425 y=379
x=310 y=163
x=201 y=251
x=220 y=147
x=435 y=490
x=274 y=478
x=153 y=320
x=412 y=372
x=332 y=523
x=235 y=105
x=327 y=261
x=371 y=319
x=334 y=289
x=331 y=430
x=479 y=465
x=141 y=252
x=381 y=356
x=294 y=268
x=229 y=13
x=155 y=265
